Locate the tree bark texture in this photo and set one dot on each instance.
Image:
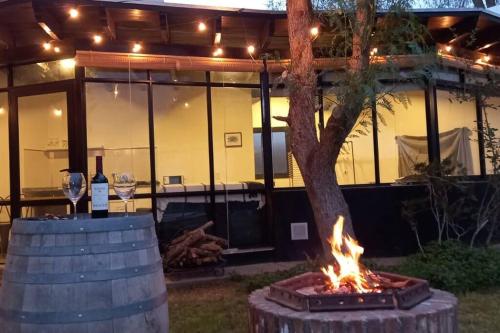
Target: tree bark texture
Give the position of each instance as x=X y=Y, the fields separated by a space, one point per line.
x=316 y=157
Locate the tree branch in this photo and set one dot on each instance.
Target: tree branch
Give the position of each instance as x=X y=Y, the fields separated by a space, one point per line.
x=282 y=118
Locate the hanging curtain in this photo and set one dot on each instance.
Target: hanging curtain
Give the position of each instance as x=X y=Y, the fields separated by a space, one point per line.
x=454 y=144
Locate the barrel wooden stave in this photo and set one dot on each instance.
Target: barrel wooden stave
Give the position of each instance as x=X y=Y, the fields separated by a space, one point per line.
x=94 y=297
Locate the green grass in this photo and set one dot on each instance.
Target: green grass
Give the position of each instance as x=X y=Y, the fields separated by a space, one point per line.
x=222 y=308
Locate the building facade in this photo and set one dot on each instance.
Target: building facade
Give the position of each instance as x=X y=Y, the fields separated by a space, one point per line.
x=143 y=85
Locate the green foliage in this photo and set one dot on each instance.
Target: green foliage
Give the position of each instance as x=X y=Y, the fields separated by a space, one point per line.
x=447 y=198
x=455 y=267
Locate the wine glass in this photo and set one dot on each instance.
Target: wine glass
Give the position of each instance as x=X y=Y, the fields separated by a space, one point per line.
x=74 y=186
x=124 y=185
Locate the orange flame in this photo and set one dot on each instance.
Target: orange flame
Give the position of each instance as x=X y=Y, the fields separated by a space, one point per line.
x=348 y=275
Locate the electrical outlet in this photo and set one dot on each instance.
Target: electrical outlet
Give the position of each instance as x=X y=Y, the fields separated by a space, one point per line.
x=299 y=231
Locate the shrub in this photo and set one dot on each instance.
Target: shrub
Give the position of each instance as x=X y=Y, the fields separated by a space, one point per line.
x=455 y=267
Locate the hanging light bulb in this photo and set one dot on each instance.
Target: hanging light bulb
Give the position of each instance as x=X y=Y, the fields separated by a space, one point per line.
x=374 y=51
x=202 y=26
x=57 y=112
x=137 y=48
x=251 y=49
x=314 y=31
x=47 y=46
x=218 y=52
x=57 y=49
x=97 y=39
x=448 y=48
x=73 y=13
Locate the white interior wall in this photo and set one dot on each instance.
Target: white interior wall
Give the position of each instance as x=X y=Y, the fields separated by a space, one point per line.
x=43 y=139
x=117 y=120
x=232 y=111
x=454 y=114
x=404 y=120
x=181 y=133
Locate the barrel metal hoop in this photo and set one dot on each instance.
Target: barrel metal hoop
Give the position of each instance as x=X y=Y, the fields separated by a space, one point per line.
x=60 y=251
x=81 y=226
x=83 y=316
x=106 y=275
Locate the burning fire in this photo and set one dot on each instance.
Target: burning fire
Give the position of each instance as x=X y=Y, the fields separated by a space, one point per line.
x=348 y=275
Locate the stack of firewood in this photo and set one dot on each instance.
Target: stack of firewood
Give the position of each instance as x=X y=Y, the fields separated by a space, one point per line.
x=194 y=248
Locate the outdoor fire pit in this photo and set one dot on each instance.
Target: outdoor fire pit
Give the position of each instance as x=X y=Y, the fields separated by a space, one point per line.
x=347 y=297
x=299 y=294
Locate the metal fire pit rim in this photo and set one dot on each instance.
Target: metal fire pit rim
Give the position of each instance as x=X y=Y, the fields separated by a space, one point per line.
x=284 y=292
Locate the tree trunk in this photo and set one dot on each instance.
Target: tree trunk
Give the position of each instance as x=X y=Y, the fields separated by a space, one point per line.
x=315 y=157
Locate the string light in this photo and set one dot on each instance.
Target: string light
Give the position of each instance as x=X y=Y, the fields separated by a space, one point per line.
x=47 y=46
x=202 y=26
x=251 y=49
x=97 y=39
x=218 y=52
x=137 y=47
x=73 y=13
x=314 y=31
x=57 y=49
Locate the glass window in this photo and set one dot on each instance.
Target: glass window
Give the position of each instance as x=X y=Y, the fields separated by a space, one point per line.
x=44 y=72
x=178 y=76
x=355 y=164
x=181 y=138
x=402 y=137
x=235 y=77
x=118 y=74
x=3 y=77
x=285 y=169
x=233 y=135
x=118 y=130
x=492 y=114
x=457 y=122
x=43 y=144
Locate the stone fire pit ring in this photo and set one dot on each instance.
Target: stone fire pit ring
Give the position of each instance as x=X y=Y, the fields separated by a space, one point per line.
x=437 y=314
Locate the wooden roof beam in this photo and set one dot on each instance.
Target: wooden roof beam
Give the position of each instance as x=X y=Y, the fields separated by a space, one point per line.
x=486 y=38
x=107 y=22
x=164 y=28
x=457 y=32
x=49 y=24
x=6 y=38
x=265 y=35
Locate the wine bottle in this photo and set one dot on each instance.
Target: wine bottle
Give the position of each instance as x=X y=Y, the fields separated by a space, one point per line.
x=100 y=190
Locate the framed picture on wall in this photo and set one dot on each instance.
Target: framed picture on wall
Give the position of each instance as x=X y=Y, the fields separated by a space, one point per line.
x=232 y=139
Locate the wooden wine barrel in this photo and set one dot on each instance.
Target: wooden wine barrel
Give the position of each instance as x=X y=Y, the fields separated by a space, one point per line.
x=88 y=275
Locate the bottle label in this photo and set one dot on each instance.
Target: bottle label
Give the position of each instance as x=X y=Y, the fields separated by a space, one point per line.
x=100 y=196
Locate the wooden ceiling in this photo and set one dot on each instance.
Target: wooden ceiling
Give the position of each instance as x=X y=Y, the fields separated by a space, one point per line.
x=172 y=29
